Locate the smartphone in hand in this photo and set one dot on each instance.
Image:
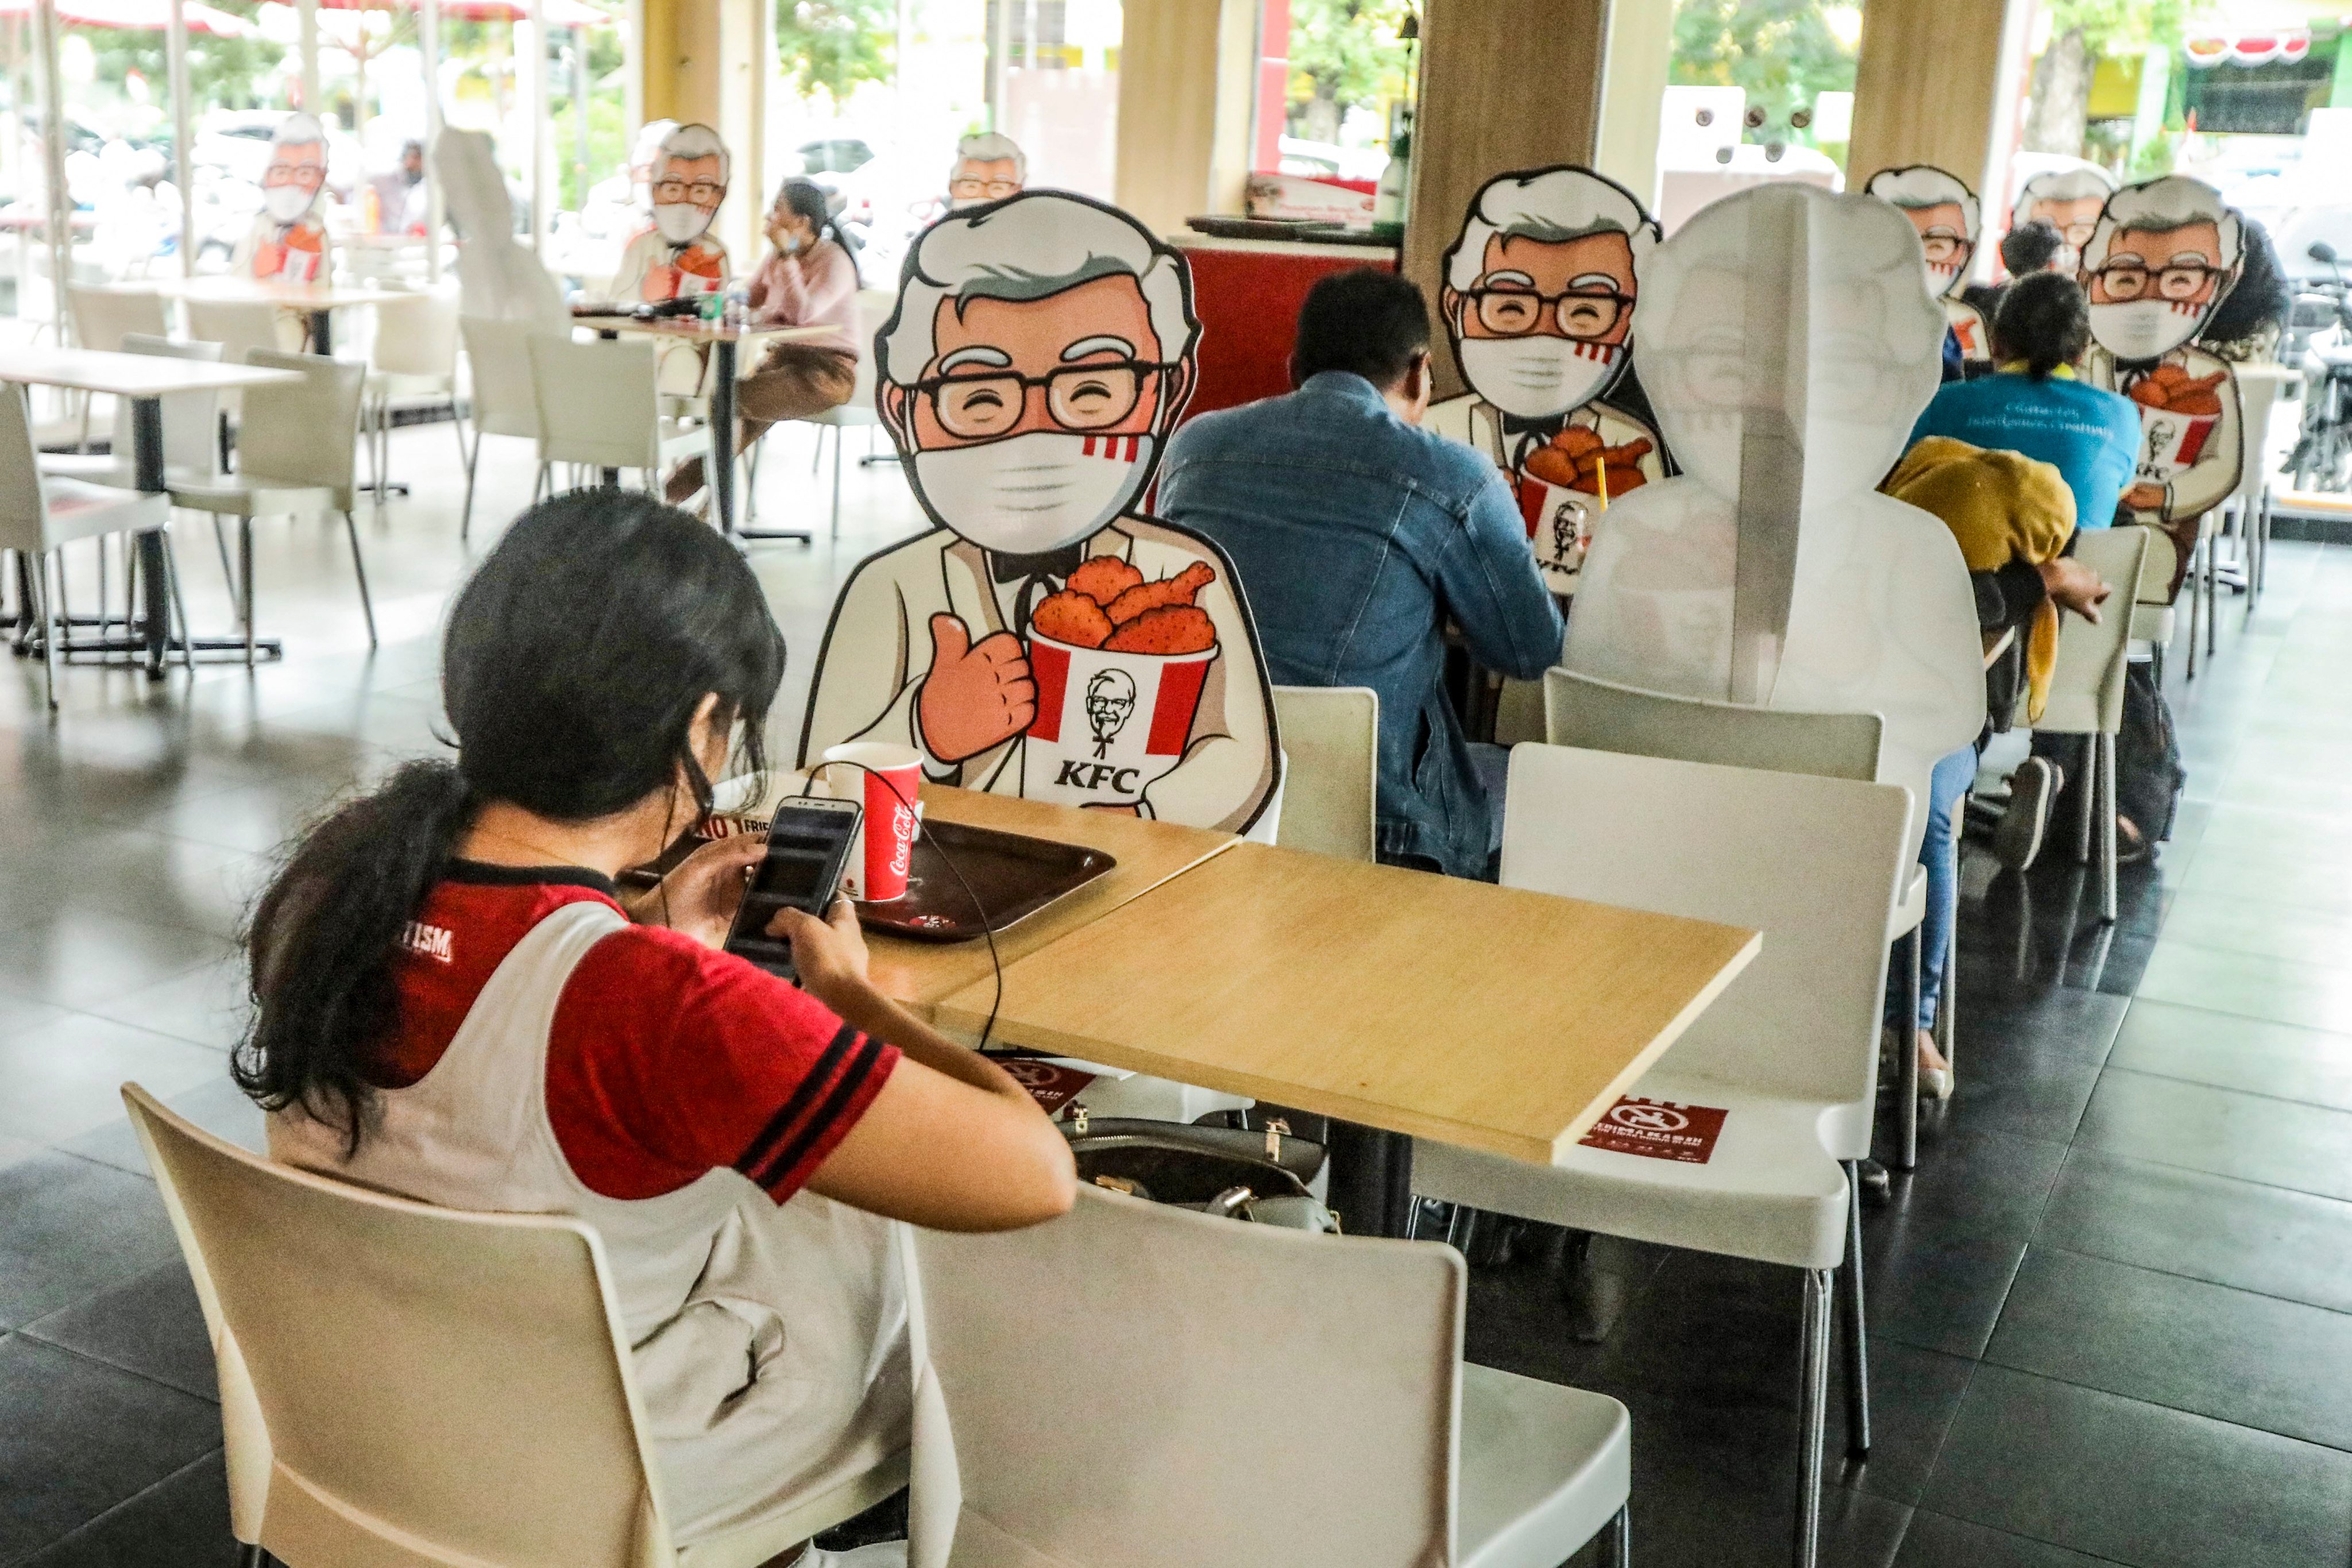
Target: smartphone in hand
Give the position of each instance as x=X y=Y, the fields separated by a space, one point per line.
x=808 y=845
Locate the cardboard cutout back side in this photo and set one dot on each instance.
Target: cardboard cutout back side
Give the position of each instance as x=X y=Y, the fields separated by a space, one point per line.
x=1538 y=302
x=1045 y=638
x=1790 y=349
x=496 y=277
x=1944 y=210
x=2163 y=255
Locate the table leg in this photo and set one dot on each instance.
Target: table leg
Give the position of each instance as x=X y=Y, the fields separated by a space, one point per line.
x=722 y=435
x=322 y=332
x=612 y=477
x=147 y=443
x=1371 y=1179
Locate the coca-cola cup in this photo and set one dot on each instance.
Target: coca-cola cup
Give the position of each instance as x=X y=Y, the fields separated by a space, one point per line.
x=893 y=773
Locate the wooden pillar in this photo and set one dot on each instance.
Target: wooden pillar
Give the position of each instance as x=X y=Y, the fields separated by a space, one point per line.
x=709 y=61
x=1186 y=73
x=1937 y=83
x=1504 y=84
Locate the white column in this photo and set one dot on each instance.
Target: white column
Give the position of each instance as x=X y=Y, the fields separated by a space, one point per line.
x=428 y=53
x=534 y=54
x=307 y=13
x=175 y=45
x=53 y=156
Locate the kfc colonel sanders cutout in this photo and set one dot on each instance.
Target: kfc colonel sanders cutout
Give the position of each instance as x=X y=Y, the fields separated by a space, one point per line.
x=497 y=278
x=288 y=240
x=1538 y=305
x=2161 y=257
x=2068 y=200
x=1045 y=640
x=676 y=254
x=1943 y=211
x=643 y=156
x=1788 y=349
x=988 y=168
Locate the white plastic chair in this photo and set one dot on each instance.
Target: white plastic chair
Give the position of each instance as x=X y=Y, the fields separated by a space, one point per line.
x=2086 y=692
x=104 y=314
x=1788 y=1052
x=240 y=328
x=874 y=307
x=1330 y=745
x=408 y=1386
x=1603 y=716
x=600 y=406
x=1145 y=1385
x=191 y=426
x=415 y=356
x=295 y=456
x=498 y=364
x=39 y=517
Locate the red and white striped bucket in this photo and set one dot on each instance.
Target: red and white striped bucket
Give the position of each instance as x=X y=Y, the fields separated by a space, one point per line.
x=1107 y=724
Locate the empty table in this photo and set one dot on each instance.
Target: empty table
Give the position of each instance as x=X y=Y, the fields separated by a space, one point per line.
x=317 y=301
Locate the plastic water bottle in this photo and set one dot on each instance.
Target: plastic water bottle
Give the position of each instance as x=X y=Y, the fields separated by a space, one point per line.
x=736 y=314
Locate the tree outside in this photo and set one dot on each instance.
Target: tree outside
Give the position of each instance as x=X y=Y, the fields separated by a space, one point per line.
x=1784 y=54
x=1346 y=55
x=2082 y=32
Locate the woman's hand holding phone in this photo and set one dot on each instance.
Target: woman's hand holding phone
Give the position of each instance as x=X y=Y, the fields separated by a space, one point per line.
x=699 y=896
x=828 y=954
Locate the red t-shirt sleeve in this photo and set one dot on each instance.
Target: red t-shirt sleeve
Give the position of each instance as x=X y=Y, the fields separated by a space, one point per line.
x=669 y=1059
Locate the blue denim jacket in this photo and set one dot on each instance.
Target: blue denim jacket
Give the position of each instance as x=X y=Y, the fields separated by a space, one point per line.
x=1356 y=535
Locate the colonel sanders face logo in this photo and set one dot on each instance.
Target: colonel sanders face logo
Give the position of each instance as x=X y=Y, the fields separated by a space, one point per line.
x=1110 y=698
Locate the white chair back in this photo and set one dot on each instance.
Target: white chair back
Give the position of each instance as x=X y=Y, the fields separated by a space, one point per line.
x=1603 y=716
x=1330 y=747
x=874 y=307
x=418 y=335
x=1811 y=862
x=303 y=435
x=2086 y=687
x=191 y=419
x=598 y=402
x=104 y=315
x=1112 y=1387
x=403 y=1385
x=498 y=358
x=22 y=519
x=238 y=327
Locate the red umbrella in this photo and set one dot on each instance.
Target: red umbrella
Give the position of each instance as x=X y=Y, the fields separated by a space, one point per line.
x=145 y=15
x=558 y=13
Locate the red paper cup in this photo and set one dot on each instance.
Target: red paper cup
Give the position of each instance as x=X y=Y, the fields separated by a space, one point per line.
x=893 y=775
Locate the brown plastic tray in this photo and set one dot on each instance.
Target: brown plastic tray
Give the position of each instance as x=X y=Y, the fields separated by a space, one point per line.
x=1013 y=875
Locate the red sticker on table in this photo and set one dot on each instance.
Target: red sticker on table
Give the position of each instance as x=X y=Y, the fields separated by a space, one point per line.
x=1658 y=1130
x=1050 y=1085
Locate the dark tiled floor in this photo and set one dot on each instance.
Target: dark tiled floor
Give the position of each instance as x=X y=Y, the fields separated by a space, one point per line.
x=2108 y=1315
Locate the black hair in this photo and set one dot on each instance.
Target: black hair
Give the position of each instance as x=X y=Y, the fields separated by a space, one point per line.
x=575 y=658
x=2043 y=321
x=807 y=198
x=2259 y=297
x=2027 y=249
x=1370 y=323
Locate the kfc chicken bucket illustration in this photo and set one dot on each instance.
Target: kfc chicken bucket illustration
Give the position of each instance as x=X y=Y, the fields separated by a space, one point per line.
x=1119 y=664
x=2177 y=415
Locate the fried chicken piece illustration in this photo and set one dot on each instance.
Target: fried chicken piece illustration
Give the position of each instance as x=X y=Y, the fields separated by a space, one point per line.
x=1169 y=629
x=1556 y=462
x=1103 y=578
x=2171 y=387
x=1168 y=592
x=1625 y=471
x=1071 y=618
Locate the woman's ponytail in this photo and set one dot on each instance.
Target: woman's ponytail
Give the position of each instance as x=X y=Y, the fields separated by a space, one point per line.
x=325 y=937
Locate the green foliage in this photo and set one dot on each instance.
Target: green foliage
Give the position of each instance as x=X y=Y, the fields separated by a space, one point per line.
x=833 y=45
x=2111 y=27
x=1783 y=52
x=608 y=143
x=1348 y=49
x=223 y=73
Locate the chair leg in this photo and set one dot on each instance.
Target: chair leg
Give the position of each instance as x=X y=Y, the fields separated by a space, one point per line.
x=1907 y=1057
x=1617 y=1540
x=2212 y=599
x=253 y=1557
x=49 y=627
x=1948 y=1007
x=2191 y=583
x=2083 y=815
x=1857 y=1340
x=1812 y=1404
x=179 y=603
x=2104 y=747
x=466 y=518
x=245 y=579
x=359 y=567
x=836 y=481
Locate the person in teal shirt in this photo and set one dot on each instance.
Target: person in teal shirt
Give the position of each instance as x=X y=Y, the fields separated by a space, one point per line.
x=2033 y=405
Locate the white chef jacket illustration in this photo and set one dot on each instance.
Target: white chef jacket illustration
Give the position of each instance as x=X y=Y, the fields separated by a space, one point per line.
x=2194 y=454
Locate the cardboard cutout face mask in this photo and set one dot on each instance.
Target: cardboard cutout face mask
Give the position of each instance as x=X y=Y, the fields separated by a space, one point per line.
x=689 y=181
x=297 y=171
x=1944 y=210
x=2151 y=289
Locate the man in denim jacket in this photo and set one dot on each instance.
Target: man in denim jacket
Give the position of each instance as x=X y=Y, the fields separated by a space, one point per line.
x=1358 y=535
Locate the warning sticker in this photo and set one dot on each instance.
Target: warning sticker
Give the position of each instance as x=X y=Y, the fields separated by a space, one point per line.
x=1050 y=1085
x=1658 y=1130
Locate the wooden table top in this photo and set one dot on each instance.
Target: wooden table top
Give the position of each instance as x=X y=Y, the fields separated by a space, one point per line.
x=920 y=973
x=1486 y=1017
x=693 y=330
x=293 y=296
x=129 y=375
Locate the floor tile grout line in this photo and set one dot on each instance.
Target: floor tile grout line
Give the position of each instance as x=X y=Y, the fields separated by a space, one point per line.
x=2161 y=1404
x=203 y=1458
x=2017 y=1534
x=2233 y=1089
x=2195 y=1279
x=21 y=1332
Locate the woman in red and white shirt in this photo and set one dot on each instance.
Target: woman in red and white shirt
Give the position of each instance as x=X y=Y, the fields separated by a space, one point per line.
x=457 y=1003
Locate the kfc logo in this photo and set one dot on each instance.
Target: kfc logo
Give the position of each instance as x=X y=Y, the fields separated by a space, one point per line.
x=1110 y=698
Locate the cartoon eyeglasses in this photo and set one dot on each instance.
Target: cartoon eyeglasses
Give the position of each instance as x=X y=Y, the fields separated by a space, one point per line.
x=992 y=189
x=698 y=192
x=2123 y=280
x=1580 y=313
x=1079 y=397
x=1942 y=244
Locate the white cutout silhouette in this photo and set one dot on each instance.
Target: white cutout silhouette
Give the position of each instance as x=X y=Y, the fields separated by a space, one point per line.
x=496 y=277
